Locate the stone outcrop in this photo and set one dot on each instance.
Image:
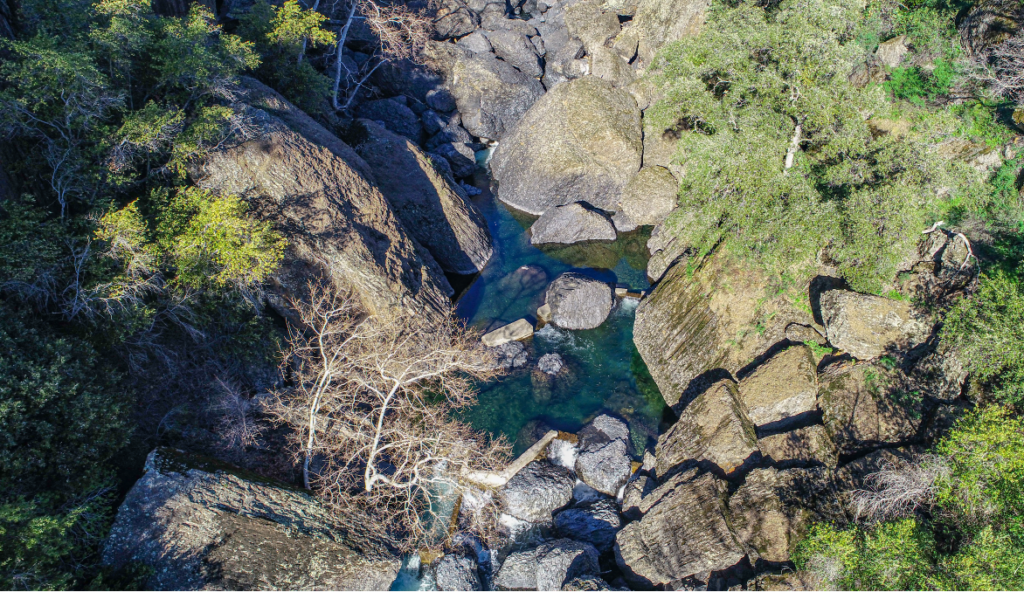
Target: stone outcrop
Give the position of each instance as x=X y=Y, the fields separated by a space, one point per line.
x=200 y=524
x=569 y=224
x=593 y=522
x=649 y=197
x=603 y=461
x=430 y=204
x=537 y=491
x=772 y=511
x=547 y=567
x=578 y=302
x=782 y=387
x=683 y=532
x=659 y=22
x=801 y=446
x=713 y=427
x=579 y=142
x=517 y=49
x=865 y=326
x=324 y=199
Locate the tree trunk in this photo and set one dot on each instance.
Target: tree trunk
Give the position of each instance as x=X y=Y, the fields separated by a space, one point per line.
x=794 y=146
x=341 y=51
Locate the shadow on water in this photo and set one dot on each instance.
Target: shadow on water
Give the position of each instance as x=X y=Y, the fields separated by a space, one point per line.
x=603 y=370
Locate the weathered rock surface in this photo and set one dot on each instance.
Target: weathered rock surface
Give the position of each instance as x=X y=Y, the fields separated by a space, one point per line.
x=593 y=522
x=650 y=196
x=492 y=95
x=511 y=355
x=586 y=21
x=570 y=224
x=395 y=116
x=713 y=427
x=457 y=572
x=513 y=331
x=201 y=524
x=772 y=511
x=547 y=567
x=805 y=445
x=537 y=491
x=579 y=142
x=603 y=461
x=578 y=302
x=891 y=52
x=659 y=22
x=434 y=208
x=550 y=364
x=683 y=532
x=516 y=49
x=865 y=326
x=454 y=19
x=782 y=387
x=608 y=65
x=860 y=413
x=586 y=584
x=324 y=199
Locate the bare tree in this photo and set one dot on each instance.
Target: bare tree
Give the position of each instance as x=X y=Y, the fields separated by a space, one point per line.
x=401 y=34
x=1001 y=69
x=373 y=406
x=900 y=487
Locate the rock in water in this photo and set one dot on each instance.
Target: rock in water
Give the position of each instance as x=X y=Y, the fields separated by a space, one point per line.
x=536 y=491
x=520 y=329
x=569 y=224
x=511 y=354
x=547 y=567
x=782 y=387
x=201 y=525
x=594 y=522
x=579 y=142
x=578 y=302
x=324 y=198
x=435 y=210
x=457 y=572
x=603 y=461
x=865 y=326
x=550 y=364
x=713 y=427
x=683 y=532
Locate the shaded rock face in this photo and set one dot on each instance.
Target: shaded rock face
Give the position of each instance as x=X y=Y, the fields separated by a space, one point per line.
x=457 y=572
x=454 y=19
x=394 y=115
x=434 y=208
x=659 y=22
x=989 y=22
x=587 y=583
x=650 y=196
x=865 y=326
x=603 y=461
x=201 y=524
x=853 y=475
x=570 y=224
x=578 y=302
x=516 y=49
x=782 y=387
x=593 y=522
x=579 y=142
x=859 y=413
x=683 y=532
x=536 y=491
x=323 y=197
x=713 y=427
x=547 y=567
x=805 y=445
x=772 y=511
x=492 y=95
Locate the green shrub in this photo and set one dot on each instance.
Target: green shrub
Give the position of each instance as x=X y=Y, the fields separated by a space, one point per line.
x=917 y=85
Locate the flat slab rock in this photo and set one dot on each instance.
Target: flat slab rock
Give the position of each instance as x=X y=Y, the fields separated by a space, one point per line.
x=713 y=427
x=578 y=302
x=569 y=224
x=537 y=491
x=514 y=331
x=805 y=445
x=547 y=567
x=782 y=387
x=202 y=524
x=683 y=532
x=865 y=326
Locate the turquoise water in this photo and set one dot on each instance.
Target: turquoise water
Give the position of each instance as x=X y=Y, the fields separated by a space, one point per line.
x=605 y=372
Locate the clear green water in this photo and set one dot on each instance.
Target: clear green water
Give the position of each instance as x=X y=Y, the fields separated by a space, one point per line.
x=605 y=372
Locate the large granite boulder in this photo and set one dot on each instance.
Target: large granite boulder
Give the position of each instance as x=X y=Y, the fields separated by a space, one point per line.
x=579 y=142
x=861 y=411
x=434 y=208
x=457 y=571
x=683 y=532
x=453 y=18
x=713 y=427
x=324 y=198
x=650 y=196
x=569 y=224
x=608 y=65
x=659 y=22
x=603 y=461
x=547 y=567
x=988 y=23
x=586 y=21
x=578 y=302
x=687 y=326
x=772 y=511
x=782 y=387
x=491 y=94
x=395 y=115
x=594 y=522
x=516 y=49
x=201 y=524
x=806 y=445
x=866 y=326
x=537 y=491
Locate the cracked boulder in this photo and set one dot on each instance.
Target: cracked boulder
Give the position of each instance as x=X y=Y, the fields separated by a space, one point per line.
x=578 y=302
x=603 y=460
x=782 y=387
x=866 y=326
x=594 y=522
x=547 y=567
x=537 y=491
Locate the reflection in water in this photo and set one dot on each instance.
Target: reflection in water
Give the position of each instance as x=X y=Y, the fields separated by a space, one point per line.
x=604 y=371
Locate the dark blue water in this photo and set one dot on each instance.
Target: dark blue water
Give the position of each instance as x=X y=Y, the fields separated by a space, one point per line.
x=605 y=372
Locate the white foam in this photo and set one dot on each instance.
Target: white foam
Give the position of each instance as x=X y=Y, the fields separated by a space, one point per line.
x=585 y=493
x=563 y=453
x=514 y=525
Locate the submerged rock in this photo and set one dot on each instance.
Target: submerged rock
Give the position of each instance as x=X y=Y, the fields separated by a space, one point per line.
x=594 y=522
x=865 y=326
x=537 y=491
x=569 y=224
x=547 y=567
x=782 y=387
x=511 y=354
x=202 y=524
x=550 y=364
x=578 y=302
